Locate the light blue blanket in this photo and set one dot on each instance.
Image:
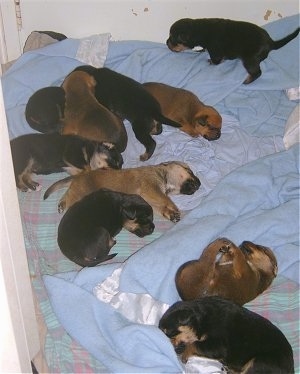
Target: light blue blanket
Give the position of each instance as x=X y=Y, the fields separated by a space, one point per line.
x=258 y=201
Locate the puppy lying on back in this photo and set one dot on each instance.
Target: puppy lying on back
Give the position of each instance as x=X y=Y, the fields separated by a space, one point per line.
x=184 y=107
x=243 y=341
x=85 y=116
x=86 y=232
x=53 y=153
x=45 y=109
x=153 y=183
x=129 y=100
x=223 y=269
x=225 y=39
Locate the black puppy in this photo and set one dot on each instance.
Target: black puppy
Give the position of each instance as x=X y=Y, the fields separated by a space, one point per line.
x=86 y=232
x=216 y=328
x=129 y=100
x=226 y=39
x=53 y=153
x=45 y=109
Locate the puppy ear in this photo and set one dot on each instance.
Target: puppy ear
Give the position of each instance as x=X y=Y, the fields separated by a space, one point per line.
x=129 y=211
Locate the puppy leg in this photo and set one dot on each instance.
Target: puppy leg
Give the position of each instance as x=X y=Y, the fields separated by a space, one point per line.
x=253 y=68
x=189 y=351
x=163 y=205
x=142 y=133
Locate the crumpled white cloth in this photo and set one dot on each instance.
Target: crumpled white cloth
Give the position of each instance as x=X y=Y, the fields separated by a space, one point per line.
x=93 y=50
x=144 y=309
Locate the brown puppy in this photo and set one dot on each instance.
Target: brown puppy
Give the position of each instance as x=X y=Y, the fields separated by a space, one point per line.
x=226 y=39
x=223 y=269
x=185 y=108
x=153 y=183
x=85 y=116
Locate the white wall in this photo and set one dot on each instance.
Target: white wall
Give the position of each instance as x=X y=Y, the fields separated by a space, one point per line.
x=142 y=20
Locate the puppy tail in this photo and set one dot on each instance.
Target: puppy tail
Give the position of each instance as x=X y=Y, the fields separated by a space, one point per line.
x=282 y=42
x=57 y=186
x=168 y=121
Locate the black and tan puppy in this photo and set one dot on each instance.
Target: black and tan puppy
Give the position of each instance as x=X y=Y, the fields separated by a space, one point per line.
x=53 y=153
x=86 y=232
x=184 y=107
x=45 y=108
x=129 y=100
x=154 y=183
x=243 y=341
x=225 y=39
x=85 y=116
x=239 y=273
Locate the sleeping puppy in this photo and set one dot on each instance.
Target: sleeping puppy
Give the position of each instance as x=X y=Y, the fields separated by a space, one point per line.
x=45 y=109
x=184 y=107
x=223 y=269
x=216 y=328
x=86 y=232
x=85 y=116
x=129 y=100
x=53 y=153
x=154 y=183
x=226 y=39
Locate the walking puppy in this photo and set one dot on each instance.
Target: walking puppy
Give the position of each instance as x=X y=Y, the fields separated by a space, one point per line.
x=53 y=153
x=224 y=269
x=129 y=100
x=241 y=340
x=226 y=39
x=45 y=109
x=86 y=232
x=153 y=183
x=85 y=116
x=184 y=107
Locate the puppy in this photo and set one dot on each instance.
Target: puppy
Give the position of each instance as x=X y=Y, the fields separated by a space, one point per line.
x=85 y=116
x=184 y=107
x=45 y=109
x=240 y=339
x=129 y=100
x=86 y=232
x=226 y=39
x=223 y=269
x=154 y=183
x=53 y=153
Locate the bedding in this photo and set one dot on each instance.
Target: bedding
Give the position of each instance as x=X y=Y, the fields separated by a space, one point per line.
x=249 y=191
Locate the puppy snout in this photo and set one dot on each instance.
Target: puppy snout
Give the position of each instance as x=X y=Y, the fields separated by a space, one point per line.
x=179 y=348
x=213 y=135
x=190 y=186
x=145 y=230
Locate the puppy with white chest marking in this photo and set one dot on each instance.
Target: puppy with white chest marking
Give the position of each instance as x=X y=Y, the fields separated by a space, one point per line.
x=226 y=39
x=128 y=99
x=54 y=153
x=184 y=107
x=86 y=232
x=239 y=273
x=85 y=116
x=154 y=183
x=243 y=341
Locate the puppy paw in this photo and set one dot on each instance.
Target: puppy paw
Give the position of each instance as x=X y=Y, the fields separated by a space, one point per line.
x=61 y=206
x=172 y=214
x=144 y=157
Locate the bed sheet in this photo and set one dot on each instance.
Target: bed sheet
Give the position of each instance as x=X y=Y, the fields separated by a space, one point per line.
x=254 y=118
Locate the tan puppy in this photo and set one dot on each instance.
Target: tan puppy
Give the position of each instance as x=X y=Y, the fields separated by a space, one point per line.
x=85 y=116
x=153 y=183
x=185 y=108
x=223 y=269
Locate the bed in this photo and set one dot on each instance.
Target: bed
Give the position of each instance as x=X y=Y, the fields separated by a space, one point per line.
x=91 y=319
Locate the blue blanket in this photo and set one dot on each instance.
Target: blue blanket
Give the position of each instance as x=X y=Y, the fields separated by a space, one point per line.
x=258 y=201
